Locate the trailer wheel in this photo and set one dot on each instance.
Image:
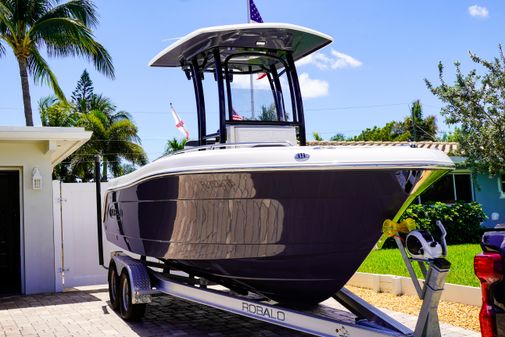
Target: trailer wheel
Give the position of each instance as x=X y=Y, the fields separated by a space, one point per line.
x=113 y=279
x=128 y=310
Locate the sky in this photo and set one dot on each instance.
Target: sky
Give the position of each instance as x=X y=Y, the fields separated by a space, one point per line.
x=371 y=73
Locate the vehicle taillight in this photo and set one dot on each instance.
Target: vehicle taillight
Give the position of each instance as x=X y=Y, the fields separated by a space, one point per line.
x=488 y=268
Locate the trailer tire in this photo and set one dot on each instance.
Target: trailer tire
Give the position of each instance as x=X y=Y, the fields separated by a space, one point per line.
x=128 y=310
x=113 y=279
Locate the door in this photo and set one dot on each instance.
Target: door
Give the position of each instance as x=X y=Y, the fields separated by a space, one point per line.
x=10 y=242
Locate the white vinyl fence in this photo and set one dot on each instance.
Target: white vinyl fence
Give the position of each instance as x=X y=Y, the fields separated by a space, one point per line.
x=75 y=236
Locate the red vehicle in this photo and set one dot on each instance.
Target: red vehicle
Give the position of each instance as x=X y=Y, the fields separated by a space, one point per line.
x=489 y=268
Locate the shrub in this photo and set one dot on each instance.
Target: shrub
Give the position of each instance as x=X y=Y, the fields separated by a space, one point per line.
x=461 y=220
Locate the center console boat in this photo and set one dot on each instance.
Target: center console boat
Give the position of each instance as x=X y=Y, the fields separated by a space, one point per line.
x=250 y=206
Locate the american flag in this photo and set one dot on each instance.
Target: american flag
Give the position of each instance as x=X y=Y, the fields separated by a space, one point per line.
x=254 y=14
x=235 y=116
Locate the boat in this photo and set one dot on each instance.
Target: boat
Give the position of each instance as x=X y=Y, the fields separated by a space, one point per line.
x=251 y=206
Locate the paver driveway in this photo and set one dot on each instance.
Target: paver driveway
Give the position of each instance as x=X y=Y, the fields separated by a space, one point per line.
x=87 y=313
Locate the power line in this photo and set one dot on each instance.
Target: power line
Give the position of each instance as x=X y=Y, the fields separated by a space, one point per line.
x=371 y=106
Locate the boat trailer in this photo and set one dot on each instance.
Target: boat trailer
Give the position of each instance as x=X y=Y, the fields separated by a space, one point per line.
x=133 y=281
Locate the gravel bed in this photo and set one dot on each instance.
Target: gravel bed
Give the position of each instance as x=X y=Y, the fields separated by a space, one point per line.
x=462 y=315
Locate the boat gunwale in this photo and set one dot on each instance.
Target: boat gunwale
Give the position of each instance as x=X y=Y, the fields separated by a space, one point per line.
x=313 y=167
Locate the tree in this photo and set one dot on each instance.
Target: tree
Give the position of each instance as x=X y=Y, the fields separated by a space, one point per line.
x=27 y=26
x=421 y=129
x=392 y=131
x=476 y=103
x=115 y=135
x=56 y=113
x=425 y=128
x=451 y=136
x=83 y=93
x=113 y=139
x=174 y=145
x=268 y=113
x=339 y=137
x=317 y=137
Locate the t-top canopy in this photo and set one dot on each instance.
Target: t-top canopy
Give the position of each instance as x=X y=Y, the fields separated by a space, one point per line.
x=299 y=40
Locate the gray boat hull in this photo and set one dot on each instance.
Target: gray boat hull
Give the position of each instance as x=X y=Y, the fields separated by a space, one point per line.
x=293 y=236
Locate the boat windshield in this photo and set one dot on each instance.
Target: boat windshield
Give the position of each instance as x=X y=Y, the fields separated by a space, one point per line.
x=262 y=95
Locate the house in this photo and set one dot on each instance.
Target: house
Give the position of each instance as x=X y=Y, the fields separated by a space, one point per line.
x=461 y=184
x=27 y=249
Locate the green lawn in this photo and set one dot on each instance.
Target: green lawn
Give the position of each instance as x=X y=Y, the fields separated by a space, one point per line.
x=389 y=261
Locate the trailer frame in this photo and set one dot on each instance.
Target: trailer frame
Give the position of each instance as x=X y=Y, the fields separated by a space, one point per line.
x=361 y=319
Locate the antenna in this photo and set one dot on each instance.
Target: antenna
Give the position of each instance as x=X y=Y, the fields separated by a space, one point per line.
x=251 y=82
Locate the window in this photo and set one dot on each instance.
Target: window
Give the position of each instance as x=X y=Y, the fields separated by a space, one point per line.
x=450 y=188
x=211 y=103
x=261 y=96
x=501 y=186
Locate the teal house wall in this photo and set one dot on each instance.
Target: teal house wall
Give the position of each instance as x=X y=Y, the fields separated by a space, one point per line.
x=488 y=193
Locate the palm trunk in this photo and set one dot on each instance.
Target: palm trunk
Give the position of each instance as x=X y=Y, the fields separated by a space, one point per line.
x=104 y=169
x=25 y=85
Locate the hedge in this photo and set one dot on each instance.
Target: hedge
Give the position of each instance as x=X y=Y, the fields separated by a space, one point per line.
x=461 y=220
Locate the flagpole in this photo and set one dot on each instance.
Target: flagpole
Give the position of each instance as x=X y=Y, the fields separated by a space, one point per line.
x=248 y=4
x=251 y=82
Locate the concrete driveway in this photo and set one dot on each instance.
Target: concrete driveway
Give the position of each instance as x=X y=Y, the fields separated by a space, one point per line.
x=87 y=313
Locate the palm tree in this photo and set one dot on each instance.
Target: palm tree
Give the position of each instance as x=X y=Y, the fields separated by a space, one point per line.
x=174 y=145
x=317 y=137
x=64 y=29
x=113 y=139
x=54 y=112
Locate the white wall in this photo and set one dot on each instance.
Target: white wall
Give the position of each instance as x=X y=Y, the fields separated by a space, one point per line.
x=37 y=242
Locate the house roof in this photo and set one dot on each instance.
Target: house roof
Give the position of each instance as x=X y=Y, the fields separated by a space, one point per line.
x=60 y=142
x=447 y=147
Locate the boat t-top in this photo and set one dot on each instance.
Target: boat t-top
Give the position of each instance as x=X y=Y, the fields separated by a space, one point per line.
x=248 y=205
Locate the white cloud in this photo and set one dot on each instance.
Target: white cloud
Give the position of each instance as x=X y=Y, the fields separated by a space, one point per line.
x=337 y=60
x=309 y=87
x=312 y=88
x=305 y=60
x=244 y=82
x=344 y=61
x=478 y=11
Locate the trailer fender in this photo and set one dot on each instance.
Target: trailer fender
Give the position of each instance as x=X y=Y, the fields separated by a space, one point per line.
x=137 y=273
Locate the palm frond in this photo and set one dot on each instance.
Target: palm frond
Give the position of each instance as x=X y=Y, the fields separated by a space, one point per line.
x=41 y=72
x=116 y=167
x=124 y=130
x=82 y=10
x=104 y=119
x=102 y=103
x=2 y=50
x=46 y=102
x=54 y=112
x=94 y=121
x=37 y=8
x=70 y=37
x=120 y=115
x=5 y=11
x=131 y=152
x=7 y=28
x=173 y=145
